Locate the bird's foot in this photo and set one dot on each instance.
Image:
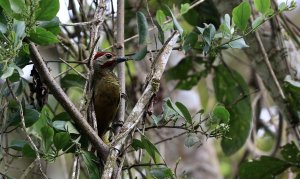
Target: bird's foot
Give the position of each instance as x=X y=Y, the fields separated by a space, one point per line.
x=124 y=96
x=118 y=124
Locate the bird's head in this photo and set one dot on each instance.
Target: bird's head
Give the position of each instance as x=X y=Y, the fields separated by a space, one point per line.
x=106 y=60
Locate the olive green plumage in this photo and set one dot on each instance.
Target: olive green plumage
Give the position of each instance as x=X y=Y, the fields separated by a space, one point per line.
x=106 y=94
x=106 y=99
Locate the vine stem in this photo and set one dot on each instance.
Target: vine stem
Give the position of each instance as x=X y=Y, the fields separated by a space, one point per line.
x=38 y=157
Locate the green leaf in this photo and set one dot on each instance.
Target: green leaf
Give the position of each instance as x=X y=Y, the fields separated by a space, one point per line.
x=161 y=173
x=18 y=6
x=61 y=139
x=137 y=144
x=47 y=137
x=66 y=126
x=185 y=112
x=191 y=140
x=184 y=8
x=51 y=26
x=225 y=27
x=292 y=90
x=89 y=160
x=47 y=10
x=160 y=17
x=28 y=151
x=176 y=23
x=72 y=80
x=189 y=82
x=220 y=115
x=43 y=120
x=232 y=91
x=5 y=4
x=239 y=43
x=209 y=33
x=291 y=153
x=41 y=36
x=265 y=167
x=282 y=7
x=17 y=144
x=258 y=21
x=64 y=116
x=150 y=148
x=144 y=143
x=140 y=55
x=241 y=15
x=161 y=35
x=7 y=73
x=180 y=71
x=31 y=116
x=19 y=28
x=189 y=41
x=262 y=5
x=142 y=27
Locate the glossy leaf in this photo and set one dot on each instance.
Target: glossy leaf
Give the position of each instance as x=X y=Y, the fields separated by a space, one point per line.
x=7 y=73
x=161 y=35
x=17 y=144
x=160 y=17
x=176 y=23
x=191 y=140
x=51 y=26
x=232 y=91
x=185 y=112
x=262 y=5
x=257 y=22
x=209 y=33
x=47 y=137
x=161 y=173
x=292 y=90
x=5 y=4
x=142 y=27
x=28 y=151
x=265 y=167
x=184 y=8
x=241 y=15
x=144 y=143
x=61 y=139
x=220 y=115
x=291 y=153
x=41 y=36
x=140 y=55
x=31 y=116
x=47 y=10
x=72 y=80
x=239 y=43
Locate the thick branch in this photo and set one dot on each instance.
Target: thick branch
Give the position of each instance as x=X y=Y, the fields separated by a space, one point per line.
x=121 y=67
x=65 y=101
x=133 y=119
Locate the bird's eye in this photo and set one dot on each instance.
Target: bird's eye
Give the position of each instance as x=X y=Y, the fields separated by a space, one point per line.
x=108 y=55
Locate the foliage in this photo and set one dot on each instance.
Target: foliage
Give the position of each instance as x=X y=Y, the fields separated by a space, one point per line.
x=24 y=22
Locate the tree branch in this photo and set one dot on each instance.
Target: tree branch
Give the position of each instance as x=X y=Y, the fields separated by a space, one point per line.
x=65 y=101
x=152 y=87
x=121 y=66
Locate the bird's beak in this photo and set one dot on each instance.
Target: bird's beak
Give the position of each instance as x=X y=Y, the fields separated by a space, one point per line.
x=121 y=59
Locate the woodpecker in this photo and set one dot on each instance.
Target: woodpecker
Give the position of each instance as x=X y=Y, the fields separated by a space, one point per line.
x=106 y=90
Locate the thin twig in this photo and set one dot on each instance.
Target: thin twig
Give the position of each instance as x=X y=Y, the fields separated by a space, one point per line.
x=73 y=68
x=38 y=158
x=83 y=23
x=269 y=66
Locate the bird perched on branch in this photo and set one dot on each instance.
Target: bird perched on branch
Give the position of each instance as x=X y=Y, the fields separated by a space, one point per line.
x=106 y=93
